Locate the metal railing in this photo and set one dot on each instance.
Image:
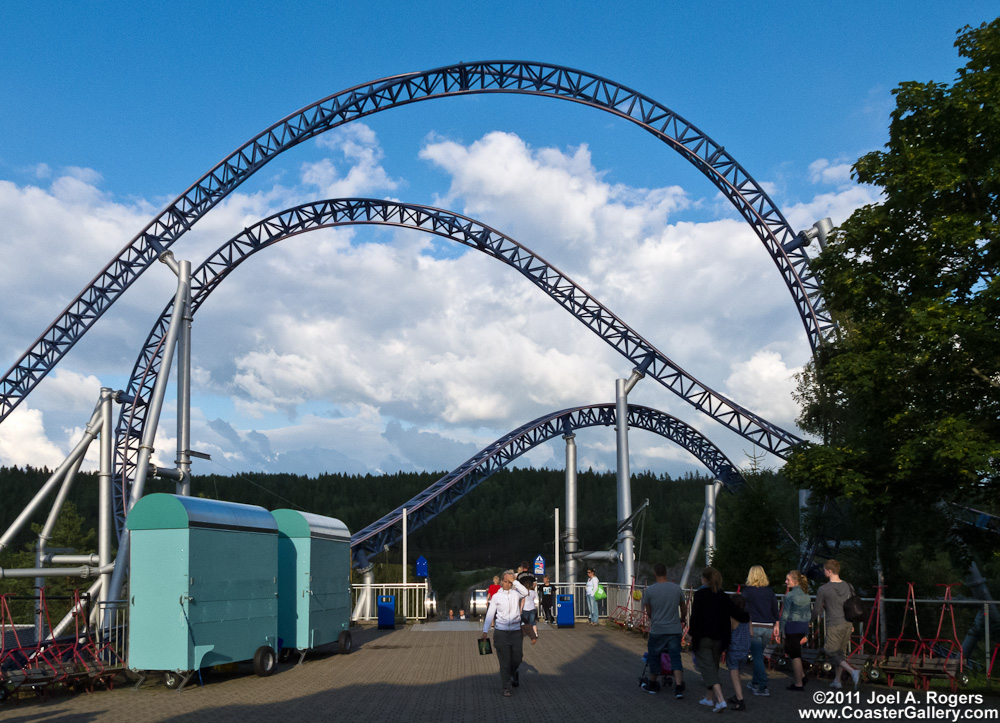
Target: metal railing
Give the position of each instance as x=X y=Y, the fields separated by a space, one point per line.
x=112 y=633
x=410 y=600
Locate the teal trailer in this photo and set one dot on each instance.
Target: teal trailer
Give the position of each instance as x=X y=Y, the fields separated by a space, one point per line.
x=203 y=586
x=314 y=581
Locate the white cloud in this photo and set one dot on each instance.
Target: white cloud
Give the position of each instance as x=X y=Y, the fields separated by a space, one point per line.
x=381 y=327
x=832 y=174
x=23 y=441
x=764 y=384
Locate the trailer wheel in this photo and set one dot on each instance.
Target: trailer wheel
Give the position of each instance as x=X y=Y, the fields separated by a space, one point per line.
x=264 y=661
x=285 y=655
x=172 y=679
x=344 y=642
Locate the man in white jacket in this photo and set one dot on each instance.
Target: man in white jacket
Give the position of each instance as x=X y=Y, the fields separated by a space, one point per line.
x=505 y=614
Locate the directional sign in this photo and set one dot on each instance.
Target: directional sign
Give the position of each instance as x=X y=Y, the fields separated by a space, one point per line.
x=421 y=566
x=539 y=565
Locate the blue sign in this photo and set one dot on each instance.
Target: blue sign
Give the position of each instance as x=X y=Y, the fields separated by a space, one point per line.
x=539 y=565
x=421 y=566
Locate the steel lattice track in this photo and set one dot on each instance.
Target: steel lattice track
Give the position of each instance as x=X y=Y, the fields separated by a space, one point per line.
x=386 y=532
x=539 y=79
x=466 y=231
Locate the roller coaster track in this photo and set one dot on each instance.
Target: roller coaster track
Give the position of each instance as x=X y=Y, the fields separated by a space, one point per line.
x=504 y=77
x=386 y=532
x=466 y=231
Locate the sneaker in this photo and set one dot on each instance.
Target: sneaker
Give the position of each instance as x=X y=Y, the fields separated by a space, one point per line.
x=719 y=707
x=762 y=692
x=679 y=691
x=856 y=678
x=707 y=701
x=736 y=704
x=798 y=688
x=836 y=684
x=651 y=687
x=752 y=687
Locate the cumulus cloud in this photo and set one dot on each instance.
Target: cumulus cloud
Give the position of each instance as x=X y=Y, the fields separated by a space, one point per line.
x=419 y=351
x=833 y=174
x=23 y=441
x=765 y=385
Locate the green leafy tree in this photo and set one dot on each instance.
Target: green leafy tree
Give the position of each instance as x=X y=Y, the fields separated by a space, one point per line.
x=907 y=398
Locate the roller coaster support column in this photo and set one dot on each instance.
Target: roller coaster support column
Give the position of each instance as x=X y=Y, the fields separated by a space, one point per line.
x=183 y=460
x=105 y=511
x=571 y=542
x=711 y=492
x=177 y=320
x=625 y=538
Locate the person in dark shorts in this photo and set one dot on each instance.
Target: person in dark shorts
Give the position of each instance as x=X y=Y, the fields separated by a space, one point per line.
x=795 y=614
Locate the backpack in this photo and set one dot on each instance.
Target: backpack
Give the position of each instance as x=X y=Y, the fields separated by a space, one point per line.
x=854 y=609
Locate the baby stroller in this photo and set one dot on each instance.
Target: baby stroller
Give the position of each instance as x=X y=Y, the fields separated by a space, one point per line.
x=665 y=670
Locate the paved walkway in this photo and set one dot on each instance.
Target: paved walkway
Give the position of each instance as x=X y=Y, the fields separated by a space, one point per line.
x=427 y=672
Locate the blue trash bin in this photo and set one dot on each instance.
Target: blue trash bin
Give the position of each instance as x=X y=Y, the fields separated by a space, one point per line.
x=386 y=612
x=565 y=614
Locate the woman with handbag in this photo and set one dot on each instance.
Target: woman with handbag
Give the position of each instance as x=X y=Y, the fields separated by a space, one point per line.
x=795 y=616
x=592 y=585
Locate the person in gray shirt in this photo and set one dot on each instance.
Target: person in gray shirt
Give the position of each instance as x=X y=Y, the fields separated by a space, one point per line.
x=830 y=599
x=665 y=605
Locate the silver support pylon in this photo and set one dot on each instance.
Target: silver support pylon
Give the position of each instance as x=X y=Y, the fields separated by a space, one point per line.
x=571 y=543
x=711 y=491
x=105 y=503
x=700 y=533
x=626 y=539
x=183 y=460
x=177 y=320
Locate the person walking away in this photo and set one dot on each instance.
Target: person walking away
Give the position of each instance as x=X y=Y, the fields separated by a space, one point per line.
x=710 y=632
x=504 y=612
x=830 y=599
x=666 y=608
x=524 y=572
x=762 y=604
x=592 y=583
x=795 y=614
x=548 y=600
x=736 y=654
x=529 y=613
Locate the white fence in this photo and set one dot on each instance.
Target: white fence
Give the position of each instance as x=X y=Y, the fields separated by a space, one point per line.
x=409 y=600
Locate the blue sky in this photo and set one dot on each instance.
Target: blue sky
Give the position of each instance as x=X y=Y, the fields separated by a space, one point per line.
x=361 y=350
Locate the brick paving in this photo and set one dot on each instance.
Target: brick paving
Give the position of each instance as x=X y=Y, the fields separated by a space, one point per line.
x=427 y=672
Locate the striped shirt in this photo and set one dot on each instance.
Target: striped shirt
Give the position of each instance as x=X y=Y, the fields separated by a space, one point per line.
x=505 y=608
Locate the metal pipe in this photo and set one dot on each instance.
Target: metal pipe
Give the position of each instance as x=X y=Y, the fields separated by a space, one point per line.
x=105 y=509
x=601 y=555
x=695 y=546
x=54 y=479
x=183 y=271
x=404 y=546
x=84 y=572
x=711 y=490
x=572 y=542
x=46 y=534
x=183 y=460
x=51 y=559
x=625 y=537
x=555 y=541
